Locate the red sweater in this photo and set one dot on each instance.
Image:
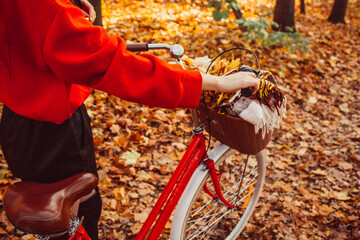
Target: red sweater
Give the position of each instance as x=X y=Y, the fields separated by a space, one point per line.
x=50 y=57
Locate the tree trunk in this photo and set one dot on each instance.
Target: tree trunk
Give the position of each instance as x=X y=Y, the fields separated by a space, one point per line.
x=302 y=7
x=284 y=15
x=97 y=7
x=237 y=12
x=338 y=11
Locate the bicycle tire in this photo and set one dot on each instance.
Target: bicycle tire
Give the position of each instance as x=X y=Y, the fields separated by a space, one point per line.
x=194 y=193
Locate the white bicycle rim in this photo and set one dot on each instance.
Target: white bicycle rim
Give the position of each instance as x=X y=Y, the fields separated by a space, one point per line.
x=179 y=222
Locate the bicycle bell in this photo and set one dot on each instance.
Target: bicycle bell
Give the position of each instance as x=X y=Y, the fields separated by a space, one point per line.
x=176 y=51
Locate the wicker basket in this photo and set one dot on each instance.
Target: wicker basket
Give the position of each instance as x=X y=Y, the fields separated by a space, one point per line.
x=234 y=132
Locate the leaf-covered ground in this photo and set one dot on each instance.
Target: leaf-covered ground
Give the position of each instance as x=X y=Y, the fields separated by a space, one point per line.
x=313 y=163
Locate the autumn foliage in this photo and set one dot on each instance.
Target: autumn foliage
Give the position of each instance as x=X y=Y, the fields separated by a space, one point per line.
x=312 y=188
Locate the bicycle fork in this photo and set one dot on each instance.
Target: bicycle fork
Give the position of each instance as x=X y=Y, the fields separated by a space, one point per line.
x=215 y=179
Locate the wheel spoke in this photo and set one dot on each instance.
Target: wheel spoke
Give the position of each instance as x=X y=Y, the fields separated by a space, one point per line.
x=206 y=216
x=201 y=218
x=250 y=183
x=239 y=181
x=208 y=221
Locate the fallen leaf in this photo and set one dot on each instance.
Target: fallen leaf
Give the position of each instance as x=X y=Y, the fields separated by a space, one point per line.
x=344 y=107
x=130 y=157
x=120 y=194
x=342 y=195
x=325 y=210
x=319 y=172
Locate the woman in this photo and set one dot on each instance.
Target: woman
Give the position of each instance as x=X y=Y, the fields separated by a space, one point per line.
x=50 y=58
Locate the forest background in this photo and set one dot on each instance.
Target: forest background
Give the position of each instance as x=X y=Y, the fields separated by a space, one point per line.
x=312 y=188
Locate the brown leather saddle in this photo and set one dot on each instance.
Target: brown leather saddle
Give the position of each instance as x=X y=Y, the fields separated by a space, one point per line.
x=41 y=208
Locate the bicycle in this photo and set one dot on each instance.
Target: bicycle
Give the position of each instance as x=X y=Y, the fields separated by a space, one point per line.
x=207 y=204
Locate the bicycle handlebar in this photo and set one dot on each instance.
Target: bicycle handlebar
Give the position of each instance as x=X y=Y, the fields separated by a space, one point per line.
x=137 y=47
x=176 y=51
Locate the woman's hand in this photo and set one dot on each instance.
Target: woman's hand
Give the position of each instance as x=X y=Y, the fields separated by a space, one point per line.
x=88 y=10
x=230 y=82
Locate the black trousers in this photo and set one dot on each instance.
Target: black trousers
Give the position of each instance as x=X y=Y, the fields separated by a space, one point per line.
x=46 y=152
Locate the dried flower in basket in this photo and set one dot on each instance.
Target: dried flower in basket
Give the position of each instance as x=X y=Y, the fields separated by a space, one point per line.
x=265 y=109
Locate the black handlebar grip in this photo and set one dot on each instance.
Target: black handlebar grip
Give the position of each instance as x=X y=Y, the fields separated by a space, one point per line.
x=247 y=92
x=137 y=47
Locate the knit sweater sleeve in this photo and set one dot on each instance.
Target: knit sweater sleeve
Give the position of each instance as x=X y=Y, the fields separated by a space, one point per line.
x=80 y=53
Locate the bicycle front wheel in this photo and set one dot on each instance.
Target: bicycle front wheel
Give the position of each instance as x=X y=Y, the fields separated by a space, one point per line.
x=199 y=216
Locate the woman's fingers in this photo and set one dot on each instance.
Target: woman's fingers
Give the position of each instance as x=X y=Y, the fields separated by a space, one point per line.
x=88 y=10
x=231 y=82
x=242 y=80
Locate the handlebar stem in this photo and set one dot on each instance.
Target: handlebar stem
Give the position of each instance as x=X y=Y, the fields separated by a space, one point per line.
x=197 y=129
x=158 y=46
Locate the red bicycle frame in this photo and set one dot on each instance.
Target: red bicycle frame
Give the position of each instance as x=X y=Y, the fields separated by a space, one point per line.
x=170 y=196
x=174 y=189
